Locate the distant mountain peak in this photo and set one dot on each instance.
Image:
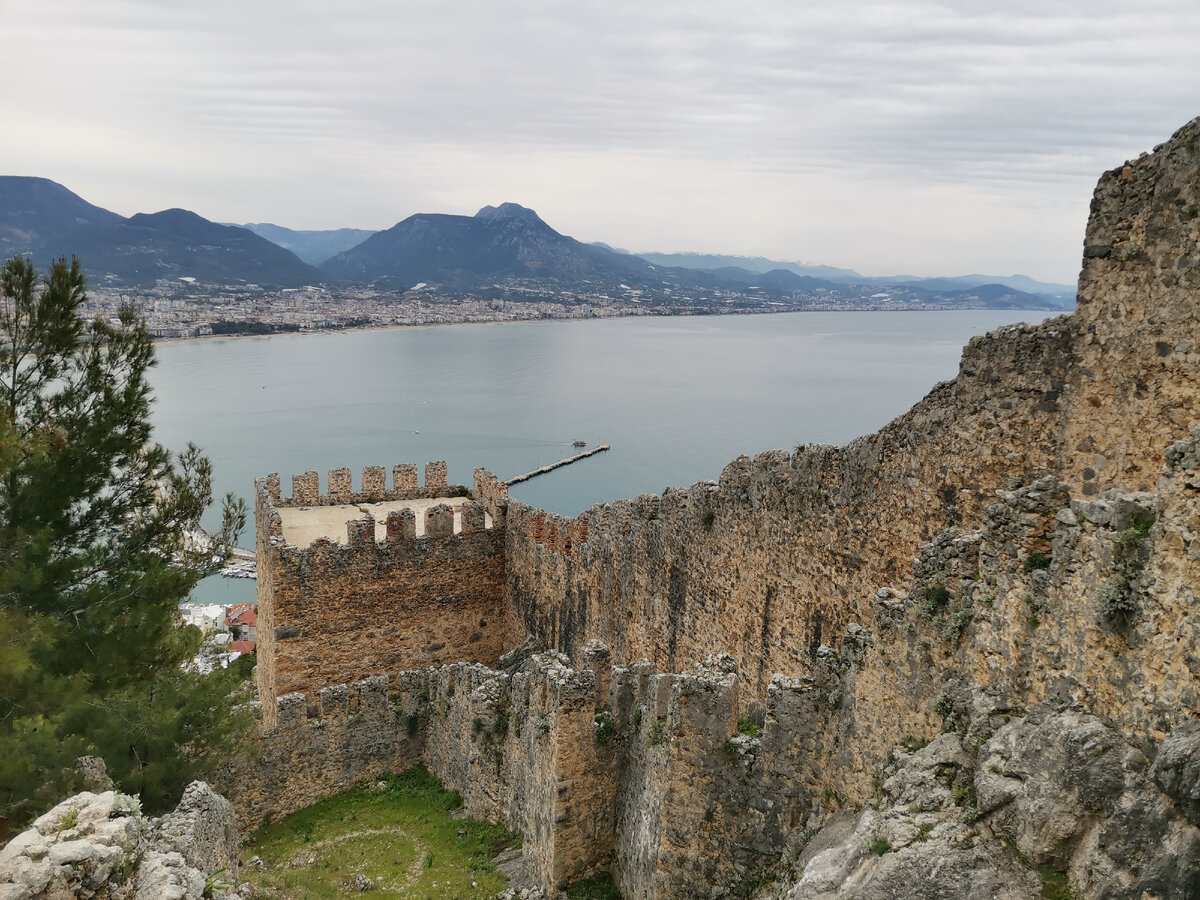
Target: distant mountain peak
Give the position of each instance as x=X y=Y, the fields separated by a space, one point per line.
x=509 y=211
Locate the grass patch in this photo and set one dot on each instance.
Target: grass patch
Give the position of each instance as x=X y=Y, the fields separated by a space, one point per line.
x=401 y=837
x=1054 y=885
x=879 y=846
x=598 y=887
x=746 y=727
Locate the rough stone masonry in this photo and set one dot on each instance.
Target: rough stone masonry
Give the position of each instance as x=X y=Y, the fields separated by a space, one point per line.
x=966 y=641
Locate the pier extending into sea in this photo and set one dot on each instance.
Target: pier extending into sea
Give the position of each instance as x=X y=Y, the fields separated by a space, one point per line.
x=517 y=479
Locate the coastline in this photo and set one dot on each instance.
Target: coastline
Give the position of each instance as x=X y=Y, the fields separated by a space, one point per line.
x=632 y=313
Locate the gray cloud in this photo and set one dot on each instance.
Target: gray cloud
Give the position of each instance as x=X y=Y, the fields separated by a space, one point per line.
x=777 y=128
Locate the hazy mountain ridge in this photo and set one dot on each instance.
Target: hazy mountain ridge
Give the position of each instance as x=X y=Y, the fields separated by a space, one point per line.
x=471 y=252
x=45 y=220
x=502 y=251
x=761 y=264
x=36 y=210
x=312 y=247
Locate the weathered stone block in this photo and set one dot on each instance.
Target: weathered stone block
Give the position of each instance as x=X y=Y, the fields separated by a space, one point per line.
x=340 y=485
x=306 y=489
x=439 y=521
x=374 y=481
x=435 y=476
x=404 y=479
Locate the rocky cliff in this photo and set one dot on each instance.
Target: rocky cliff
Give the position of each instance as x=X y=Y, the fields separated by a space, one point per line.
x=98 y=845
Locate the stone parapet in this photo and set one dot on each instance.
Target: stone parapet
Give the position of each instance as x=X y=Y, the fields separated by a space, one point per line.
x=306 y=487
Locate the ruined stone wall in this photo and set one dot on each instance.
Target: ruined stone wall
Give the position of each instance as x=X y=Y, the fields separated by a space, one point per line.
x=519 y=746
x=335 y=612
x=601 y=767
x=1138 y=318
x=787 y=549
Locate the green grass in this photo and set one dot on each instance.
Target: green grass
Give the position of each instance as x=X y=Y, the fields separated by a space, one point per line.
x=402 y=838
x=1054 y=885
x=746 y=727
x=598 y=887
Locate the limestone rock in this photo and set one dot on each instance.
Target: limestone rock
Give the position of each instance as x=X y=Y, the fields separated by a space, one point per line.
x=1177 y=769
x=100 y=846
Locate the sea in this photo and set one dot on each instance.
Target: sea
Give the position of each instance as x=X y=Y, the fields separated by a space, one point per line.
x=676 y=398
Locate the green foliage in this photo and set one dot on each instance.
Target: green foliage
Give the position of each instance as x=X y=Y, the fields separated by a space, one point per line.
x=402 y=837
x=598 y=887
x=1118 y=604
x=956 y=623
x=746 y=727
x=943 y=705
x=1035 y=561
x=1055 y=885
x=215 y=884
x=606 y=727
x=94 y=560
x=879 y=846
x=70 y=817
x=935 y=599
x=1133 y=536
x=912 y=743
x=657 y=735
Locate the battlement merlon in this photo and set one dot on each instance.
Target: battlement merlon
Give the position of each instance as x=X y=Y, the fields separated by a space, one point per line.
x=306 y=486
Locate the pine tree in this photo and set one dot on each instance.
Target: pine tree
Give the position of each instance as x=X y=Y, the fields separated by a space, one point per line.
x=96 y=551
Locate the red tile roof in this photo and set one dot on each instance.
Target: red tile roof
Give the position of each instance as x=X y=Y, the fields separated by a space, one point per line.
x=242 y=614
x=245 y=617
x=241 y=646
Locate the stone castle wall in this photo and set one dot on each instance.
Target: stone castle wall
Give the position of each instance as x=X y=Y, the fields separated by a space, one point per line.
x=1026 y=537
x=787 y=549
x=681 y=784
x=334 y=612
x=591 y=765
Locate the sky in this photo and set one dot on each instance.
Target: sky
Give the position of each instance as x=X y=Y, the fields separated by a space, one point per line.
x=912 y=137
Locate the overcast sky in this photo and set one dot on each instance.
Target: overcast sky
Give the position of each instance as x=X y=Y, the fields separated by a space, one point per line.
x=913 y=136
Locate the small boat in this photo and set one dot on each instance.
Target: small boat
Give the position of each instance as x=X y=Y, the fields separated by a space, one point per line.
x=579 y=444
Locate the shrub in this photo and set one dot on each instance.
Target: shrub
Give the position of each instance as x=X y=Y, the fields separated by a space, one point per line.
x=1132 y=536
x=957 y=623
x=879 y=846
x=1117 y=602
x=658 y=734
x=746 y=727
x=606 y=728
x=935 y=600
x=943 y=705
x=1035 y=561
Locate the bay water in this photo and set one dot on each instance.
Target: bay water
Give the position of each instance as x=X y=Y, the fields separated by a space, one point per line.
x=676 y=398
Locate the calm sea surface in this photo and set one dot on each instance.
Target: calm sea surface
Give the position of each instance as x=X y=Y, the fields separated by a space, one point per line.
x=677 y=398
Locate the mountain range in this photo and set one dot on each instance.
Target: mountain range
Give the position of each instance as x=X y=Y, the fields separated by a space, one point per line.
x=505 y=250
x=44 y=220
